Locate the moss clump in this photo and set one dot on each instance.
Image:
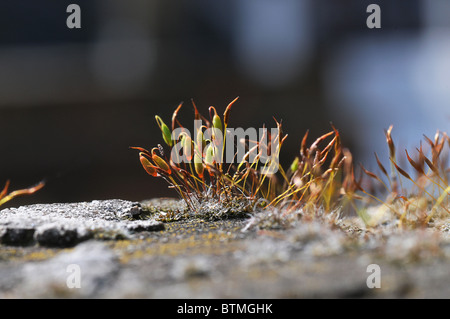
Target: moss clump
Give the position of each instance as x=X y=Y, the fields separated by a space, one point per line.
x=34 y=253
x=187 y=237
x=170 y=210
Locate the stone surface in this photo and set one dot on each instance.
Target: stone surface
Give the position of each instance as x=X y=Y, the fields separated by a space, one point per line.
x=16 y=235
x=97 y=267
x=65 y=225
x=197 y=258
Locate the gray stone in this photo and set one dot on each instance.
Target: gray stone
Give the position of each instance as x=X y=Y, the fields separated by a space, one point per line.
x=67 y=224
x=197 y=258
x=16 y=236
x=145 y=225
x=56 y=235
x=97 y=266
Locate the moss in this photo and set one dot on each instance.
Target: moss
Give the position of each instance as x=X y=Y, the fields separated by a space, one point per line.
x=23 y=254
x=189 y=237
x=41 y=255
x=101 y=234
x=171 y=210
x=189 y=246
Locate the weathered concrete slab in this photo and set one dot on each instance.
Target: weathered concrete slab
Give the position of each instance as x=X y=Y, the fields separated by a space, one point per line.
x=196 y=258
x=67 y=224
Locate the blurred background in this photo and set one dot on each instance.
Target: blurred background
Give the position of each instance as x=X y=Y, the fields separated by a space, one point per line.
x=72 y=101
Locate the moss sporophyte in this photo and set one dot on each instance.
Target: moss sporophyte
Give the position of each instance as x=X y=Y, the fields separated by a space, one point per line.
x=226 y=165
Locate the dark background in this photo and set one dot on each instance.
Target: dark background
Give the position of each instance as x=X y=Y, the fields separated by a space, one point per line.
x=72 y=101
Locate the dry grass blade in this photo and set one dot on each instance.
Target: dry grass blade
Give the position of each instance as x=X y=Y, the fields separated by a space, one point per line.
x=314 y=145
x=370 y=174
x=226 y=114
x=390 y=142
x=381 y=166
x=337 y=159
x=400 y=170
x=174 y=116
x=417 y=166
x=303 y=147
x=431 y=166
